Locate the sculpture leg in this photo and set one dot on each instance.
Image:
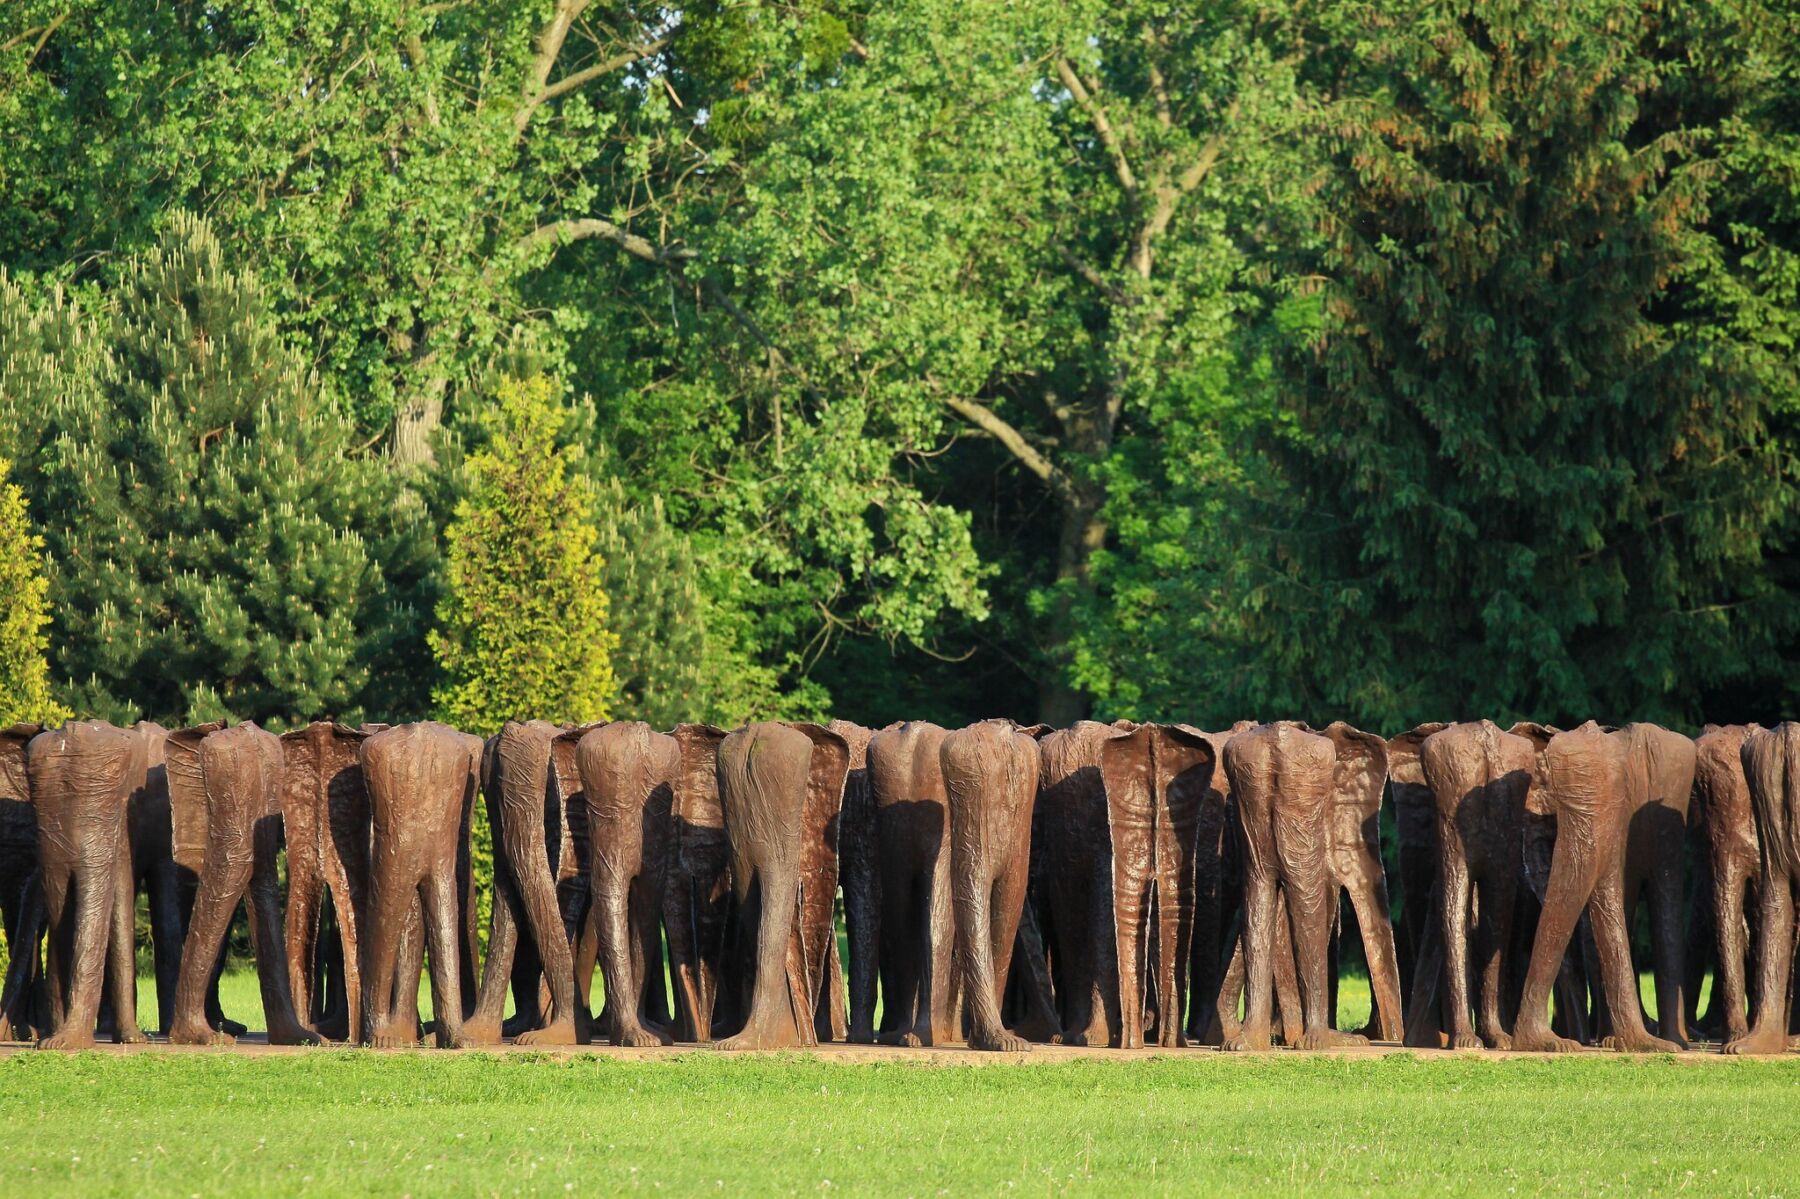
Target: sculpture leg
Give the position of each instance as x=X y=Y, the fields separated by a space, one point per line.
x=771 y=1023
x=221 y=887
x=443 y=933
x=1728 y=925
x=1618 y=975
x=165 y=937
x=1499 y=901
x=1768 y=1034
x=1668 y=937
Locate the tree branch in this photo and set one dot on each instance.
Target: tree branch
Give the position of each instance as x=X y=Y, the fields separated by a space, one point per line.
x=984 y=418
x=588 y=228
x=1103 y=127
x=569 y=83
x=549 y=43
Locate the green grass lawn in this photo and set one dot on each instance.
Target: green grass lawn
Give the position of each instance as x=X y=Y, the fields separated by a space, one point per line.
x=339 y=1121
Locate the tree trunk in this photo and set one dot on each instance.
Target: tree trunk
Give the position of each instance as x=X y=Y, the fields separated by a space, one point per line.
x=415 y=425
x=1083 y=531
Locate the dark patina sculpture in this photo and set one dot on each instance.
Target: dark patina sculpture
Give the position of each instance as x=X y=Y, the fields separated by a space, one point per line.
x=917 y=931
x=991 y=779
x=628 y=774
x=523 y=798
x=1479 y=777
x=1157 y=778
x=1282 y=778
x=1359 y=779
x=697 y=901
x=80 y=785
x=859 y=867
x=230 y=780
x=1072 y=881
x=1660 y=785
x=780 y=787
x=22 y=1002
x=421 y=780
x=1729 y=840
x=1772 y=768
x=325 y=818
x=1585 y=787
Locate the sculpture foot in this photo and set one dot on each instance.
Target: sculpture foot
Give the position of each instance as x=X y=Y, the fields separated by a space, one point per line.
x=198 y=1033
x=1247 y=1040
x=1495 y=1039
x=1770 y=1041
x=860 y=1036
x=520 y=1023
x=557 y=1032
x=1735 y=1031
x=294 y=1034
x=638 y=1037
x=1331 y=1038
x=67 y=1040
x=905 y=1039
x=392 y=1040
x=1466 y=1040
x=130 y=1034
x=481 y=1030
x=1542 y=1040
x=231 y=1028
x=999 y=1041
x=754 y=1039
x=7 y=1032
x=1639 y=1043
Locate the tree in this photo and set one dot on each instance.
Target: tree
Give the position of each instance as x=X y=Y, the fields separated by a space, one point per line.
x=218 y=548
x=1519 y=480
x=24 y=638
x=673 y=661
x=522 y=626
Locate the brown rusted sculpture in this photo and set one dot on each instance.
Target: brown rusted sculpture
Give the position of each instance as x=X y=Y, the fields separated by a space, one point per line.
x=1415 y=830
x=152 y=865
x=1359 y=780
x=1072 y=882
x=421 y=780
x=1586 y=789
x=520 y=786
x=919 y=984
x=780 y=787
x=1479 y=777
x=990 y=779
x=1580 y=962
x=1282 y=778
x=859 y=865
x=574 y=890
x=1771 y=760
x=1728 y=827
x=80 y=785
x=1217 y=899
x=325 y=819
x=697 y=896
x=1660 y=786
x=22 y=1003
x=628 y=774
x=233 y=777
x=1156 y=778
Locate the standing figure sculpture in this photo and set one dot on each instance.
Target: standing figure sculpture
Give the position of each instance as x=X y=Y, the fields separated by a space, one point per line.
x=1282 y=779
x=628 y=776
x=780 y=787
x=79 y=778
x=1587 y=790
x=519 y=784
x=1479 y=777
x=21 y=890
x=233 y=777
x=1728 y=822
x=1072 y=882
x=990 y=778
x=859 y=865
x=1157 y=779
x=697 y=896
x=1772 y=768
x=421 y=780
x=919 y=986
x=1661 y=785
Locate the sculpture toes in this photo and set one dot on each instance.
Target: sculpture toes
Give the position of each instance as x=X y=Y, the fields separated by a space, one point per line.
x=1498 y=1040
x=231 y=1028
x=910 y=1040
x=639 y=1038
x=1466 y=1040
x=130 y=1035
x=1756 y=1044
x=481 y=1032
x=1331 y=1038
x=560 y=1033
x=1000 y=1042
x=66 y=1041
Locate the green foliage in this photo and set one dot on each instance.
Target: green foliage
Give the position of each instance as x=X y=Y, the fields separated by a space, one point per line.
x=672 y=661
x=522 y=627
x=24 y=640
x=219 y=549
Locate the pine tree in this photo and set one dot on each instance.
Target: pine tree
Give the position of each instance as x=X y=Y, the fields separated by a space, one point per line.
x=219 y=548
x=522 y=627
x=24 y=640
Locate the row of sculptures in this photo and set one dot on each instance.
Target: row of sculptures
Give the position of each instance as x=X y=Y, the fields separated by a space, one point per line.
x=1106 y=885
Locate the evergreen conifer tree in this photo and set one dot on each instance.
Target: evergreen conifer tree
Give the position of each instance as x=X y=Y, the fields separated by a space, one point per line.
x=522 y=627
x=219 y=549
x=24 y=671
